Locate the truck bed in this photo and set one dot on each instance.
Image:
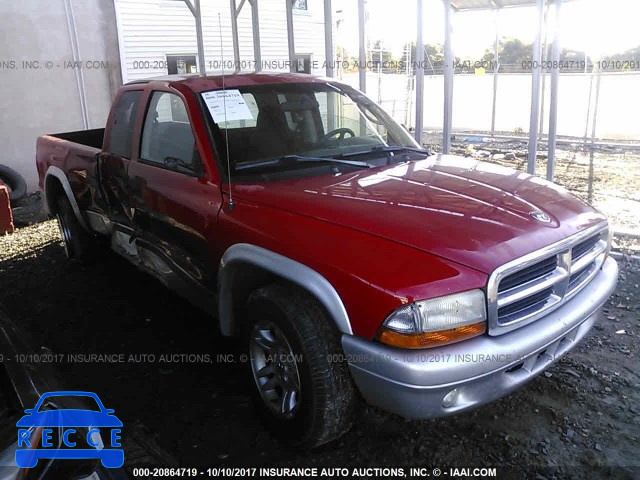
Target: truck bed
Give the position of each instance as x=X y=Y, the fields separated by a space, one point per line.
x=90 y=138
x=74 y=153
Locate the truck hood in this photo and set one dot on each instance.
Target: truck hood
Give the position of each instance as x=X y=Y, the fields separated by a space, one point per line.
x=478 y=214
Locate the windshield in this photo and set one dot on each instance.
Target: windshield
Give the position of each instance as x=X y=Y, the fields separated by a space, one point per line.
x=321 y=120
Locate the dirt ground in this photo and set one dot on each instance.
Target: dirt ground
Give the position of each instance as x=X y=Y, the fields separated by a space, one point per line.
x=578 y=420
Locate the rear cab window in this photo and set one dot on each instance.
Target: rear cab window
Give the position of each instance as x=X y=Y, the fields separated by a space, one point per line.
x=121 y=131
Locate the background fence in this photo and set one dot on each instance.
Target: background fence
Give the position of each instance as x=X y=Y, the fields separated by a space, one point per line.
x=618 y=108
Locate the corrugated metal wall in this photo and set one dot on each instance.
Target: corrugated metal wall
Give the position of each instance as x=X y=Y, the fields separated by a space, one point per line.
x=148 y=30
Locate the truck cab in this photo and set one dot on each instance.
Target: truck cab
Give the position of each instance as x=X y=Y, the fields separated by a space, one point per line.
x=351 y=262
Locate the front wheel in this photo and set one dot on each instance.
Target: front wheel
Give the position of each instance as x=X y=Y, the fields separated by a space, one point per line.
x=305 y=396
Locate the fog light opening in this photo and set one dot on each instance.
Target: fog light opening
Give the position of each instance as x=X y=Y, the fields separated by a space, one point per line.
x=450 y=398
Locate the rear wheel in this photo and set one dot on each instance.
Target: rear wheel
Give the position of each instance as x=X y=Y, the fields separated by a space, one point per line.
x=301 y=387
x=79 y=244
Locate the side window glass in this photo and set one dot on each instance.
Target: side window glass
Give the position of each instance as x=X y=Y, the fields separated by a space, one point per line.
x=167 y=138
x=124 y=115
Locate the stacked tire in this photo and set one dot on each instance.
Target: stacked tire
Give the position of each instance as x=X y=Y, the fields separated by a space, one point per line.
x=14 y=181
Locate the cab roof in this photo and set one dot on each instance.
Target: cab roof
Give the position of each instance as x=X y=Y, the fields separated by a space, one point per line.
x=199 y=83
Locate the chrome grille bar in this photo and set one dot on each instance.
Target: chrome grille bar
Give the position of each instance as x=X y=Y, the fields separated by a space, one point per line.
x=534 y=289
x=531 y=287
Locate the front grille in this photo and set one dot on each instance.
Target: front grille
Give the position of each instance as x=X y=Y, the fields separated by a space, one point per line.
x=578 y=277
x=531 y=302
x=583 y=247
x=536 y=270
x=526 y=289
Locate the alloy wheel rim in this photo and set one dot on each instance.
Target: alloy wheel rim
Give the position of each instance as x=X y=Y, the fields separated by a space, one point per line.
x=275 y=369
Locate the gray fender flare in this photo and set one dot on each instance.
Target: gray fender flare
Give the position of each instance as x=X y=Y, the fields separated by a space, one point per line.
x=64 y=181
x=295 y=272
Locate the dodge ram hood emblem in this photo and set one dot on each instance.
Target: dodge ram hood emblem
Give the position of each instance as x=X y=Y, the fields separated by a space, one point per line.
x=540 y=216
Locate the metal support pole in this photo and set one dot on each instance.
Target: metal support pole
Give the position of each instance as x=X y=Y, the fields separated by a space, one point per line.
x=543 y=88
x=75 y=49
x=255 y=26
x=593 y=136
x=535 y=92
x=586 y=125
x=329 y=53
x=448 y=77
x=409 y=73
x=198 y=14
x=362 y=57
x=379 y=74
x=419 y=75
x=544 y=48
x=496 y=67
x=553 y=97
x=330 y=58
x=234 y=35
x=290 y=36
x=194 y=8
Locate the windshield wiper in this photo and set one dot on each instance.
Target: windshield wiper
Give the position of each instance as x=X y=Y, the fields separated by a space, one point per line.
x=386 y=149
x=293 y=159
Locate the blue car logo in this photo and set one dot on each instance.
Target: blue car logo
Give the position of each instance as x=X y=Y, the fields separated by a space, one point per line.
x=61 y=433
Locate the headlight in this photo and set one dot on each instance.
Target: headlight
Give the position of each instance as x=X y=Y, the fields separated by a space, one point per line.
x=436 y=322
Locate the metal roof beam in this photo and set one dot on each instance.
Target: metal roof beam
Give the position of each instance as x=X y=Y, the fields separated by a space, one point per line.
x=419 y=74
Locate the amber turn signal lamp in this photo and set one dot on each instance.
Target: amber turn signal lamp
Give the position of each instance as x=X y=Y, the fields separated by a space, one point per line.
x=432 y=339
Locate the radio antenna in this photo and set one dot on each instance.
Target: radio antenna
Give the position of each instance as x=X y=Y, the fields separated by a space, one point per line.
x=224 y=105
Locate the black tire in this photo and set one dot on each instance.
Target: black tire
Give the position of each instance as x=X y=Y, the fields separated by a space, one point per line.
x=15 y=182
x=79 y=244
x=327 y=397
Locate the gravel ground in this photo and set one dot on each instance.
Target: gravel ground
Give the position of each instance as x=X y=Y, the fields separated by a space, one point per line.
x=575 y=421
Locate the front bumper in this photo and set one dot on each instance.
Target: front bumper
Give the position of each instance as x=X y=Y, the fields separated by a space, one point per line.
x=441 y=381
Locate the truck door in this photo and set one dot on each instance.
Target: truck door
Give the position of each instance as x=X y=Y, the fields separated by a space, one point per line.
x=174 y=208
x=113 y=162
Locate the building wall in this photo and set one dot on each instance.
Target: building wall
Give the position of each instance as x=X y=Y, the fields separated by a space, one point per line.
x=151 y=29
x=40 y=97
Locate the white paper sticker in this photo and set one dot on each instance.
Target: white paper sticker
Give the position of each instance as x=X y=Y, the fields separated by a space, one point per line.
x=231 y=100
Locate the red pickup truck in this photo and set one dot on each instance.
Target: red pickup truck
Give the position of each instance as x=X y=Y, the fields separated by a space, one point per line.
x=351 y=261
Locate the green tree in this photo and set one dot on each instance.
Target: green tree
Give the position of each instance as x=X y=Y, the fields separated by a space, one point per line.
x=632 y=55
x=433 y=57
x=511 y=52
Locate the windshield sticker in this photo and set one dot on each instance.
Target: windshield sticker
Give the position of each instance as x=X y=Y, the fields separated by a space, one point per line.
x=236 y=107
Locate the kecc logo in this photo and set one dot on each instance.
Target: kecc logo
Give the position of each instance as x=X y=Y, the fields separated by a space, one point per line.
x=50 y=430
